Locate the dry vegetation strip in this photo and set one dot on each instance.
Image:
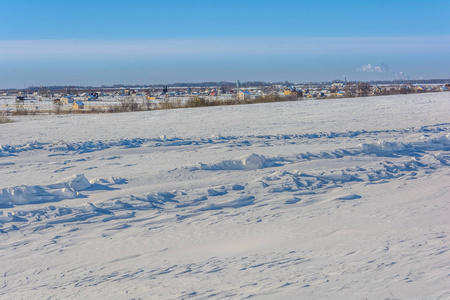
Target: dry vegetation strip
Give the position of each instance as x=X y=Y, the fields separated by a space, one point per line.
x=131 y=105
x=5 y=119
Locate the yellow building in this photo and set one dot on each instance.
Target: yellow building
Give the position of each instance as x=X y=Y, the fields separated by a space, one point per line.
x=288 y=91
x=67 y=100
x=78 y=105
x=243 y=95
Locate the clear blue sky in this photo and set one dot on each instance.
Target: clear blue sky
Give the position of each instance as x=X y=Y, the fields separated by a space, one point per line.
x=105 y=42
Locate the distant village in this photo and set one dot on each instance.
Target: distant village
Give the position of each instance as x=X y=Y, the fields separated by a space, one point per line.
x=153 y=97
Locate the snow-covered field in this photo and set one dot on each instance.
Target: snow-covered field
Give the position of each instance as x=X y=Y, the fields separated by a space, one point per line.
x=332 y=199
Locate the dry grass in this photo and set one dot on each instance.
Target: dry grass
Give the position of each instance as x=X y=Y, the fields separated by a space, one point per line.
x=131 y=105
x=5 y=119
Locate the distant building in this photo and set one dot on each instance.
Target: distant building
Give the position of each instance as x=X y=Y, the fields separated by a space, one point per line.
x=420 y=88
x=67 y=100
x=336 y=94
x=338 y=85
x=90 y=98
x=243 y=95
x=292 y=91
x=78 y=105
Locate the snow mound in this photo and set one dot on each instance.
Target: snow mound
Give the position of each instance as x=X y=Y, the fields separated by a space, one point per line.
x=64 y=189
x=443 y=139
x=77 y=182
x=348 y=197
x=249 y=162
x=66 y=193
x=236 y=203
x=432 y=160
x=382 y=147
x=337 y=176
x=157 y=199
x=23 y=194
x=6 y=217
x=91 y=208
x=108 y=181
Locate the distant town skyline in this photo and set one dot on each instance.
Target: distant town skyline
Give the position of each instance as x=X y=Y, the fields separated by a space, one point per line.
x=148 y=42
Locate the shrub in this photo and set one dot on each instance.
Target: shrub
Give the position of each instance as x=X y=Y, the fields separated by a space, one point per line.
x=147 y=104
x=196 y=102
x=166 y=103
x=21 y=111
x=129 y=105
x=58 y=108
x=95 y=110
x=273 y=98
x=5 y=119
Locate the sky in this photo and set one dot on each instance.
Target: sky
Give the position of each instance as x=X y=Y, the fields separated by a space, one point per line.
x=68 y=42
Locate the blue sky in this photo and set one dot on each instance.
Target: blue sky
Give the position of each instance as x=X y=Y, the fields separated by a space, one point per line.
x=82 y=42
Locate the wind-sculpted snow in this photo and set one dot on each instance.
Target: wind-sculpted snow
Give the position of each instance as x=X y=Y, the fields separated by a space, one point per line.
x=236 y=203
x=164 y=141
x=249 y=162
x=76 y=182
x=178 y=212
x=386 y=148
x=235 y=196
x=297 y=183
x=64 y=189
x=20 y=195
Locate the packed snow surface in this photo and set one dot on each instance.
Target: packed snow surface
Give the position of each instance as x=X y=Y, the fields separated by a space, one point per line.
x=332 y=199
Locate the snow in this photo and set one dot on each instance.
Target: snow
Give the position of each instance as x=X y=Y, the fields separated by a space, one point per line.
x=337 y=199
x=249 y=162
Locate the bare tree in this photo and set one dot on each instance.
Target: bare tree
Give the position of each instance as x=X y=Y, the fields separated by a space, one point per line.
x=363 y=89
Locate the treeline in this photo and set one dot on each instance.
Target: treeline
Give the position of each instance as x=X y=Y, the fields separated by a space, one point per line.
x=228 y=84
x=410 y=81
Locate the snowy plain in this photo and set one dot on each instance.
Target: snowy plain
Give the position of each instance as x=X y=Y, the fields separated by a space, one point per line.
x=329 y=199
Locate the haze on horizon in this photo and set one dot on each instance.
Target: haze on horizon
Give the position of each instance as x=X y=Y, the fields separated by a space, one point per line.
x=144 y=42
